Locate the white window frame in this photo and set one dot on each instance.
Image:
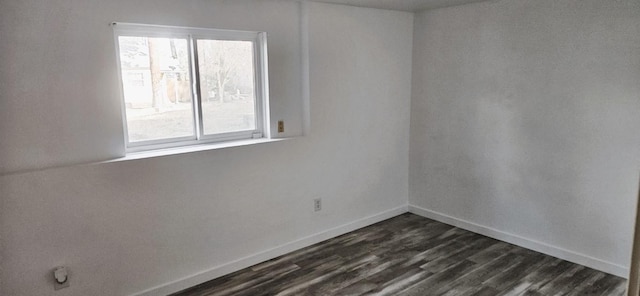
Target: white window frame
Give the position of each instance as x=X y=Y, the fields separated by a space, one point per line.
x=261 y=86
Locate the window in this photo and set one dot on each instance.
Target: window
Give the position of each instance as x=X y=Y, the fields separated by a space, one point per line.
x=184 y=86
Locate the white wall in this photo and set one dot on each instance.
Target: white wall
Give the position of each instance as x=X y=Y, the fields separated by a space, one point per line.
x=525 y=119
x=124 y=227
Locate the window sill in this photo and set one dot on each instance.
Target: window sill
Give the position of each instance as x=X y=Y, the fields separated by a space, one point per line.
x=190 y=149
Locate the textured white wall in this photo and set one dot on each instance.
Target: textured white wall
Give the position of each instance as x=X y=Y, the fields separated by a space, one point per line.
x=525 y=119
x=124 y=227
x=406 y=5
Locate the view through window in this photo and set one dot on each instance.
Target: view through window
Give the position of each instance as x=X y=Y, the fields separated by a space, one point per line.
x=164 y=107
x=156 y=86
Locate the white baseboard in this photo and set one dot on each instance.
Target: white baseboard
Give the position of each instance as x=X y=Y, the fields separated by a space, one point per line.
x=256 y=258
x=554 y=251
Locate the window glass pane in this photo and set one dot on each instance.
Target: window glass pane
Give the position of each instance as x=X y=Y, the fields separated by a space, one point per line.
x=155 y=79
x=227 y=85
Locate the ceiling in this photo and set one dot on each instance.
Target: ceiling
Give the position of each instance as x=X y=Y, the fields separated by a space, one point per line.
x=406 y=5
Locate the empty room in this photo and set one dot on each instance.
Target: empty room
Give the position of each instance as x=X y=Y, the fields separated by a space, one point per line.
x=335 y=147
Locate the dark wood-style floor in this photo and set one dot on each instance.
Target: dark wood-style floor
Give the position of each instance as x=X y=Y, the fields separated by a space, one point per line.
x=413 y=256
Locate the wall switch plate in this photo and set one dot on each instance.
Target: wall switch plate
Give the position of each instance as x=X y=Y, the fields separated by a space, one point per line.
x=317 y=205
x=281 y=126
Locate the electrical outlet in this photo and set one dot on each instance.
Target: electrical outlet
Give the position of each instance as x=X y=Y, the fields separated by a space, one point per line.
x=60 y=278
x=280 y=126
x=317 y=205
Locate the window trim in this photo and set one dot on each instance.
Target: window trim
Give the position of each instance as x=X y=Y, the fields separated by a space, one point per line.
x=261 y=86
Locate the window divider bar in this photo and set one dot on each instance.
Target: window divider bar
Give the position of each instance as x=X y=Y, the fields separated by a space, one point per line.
x=123 y=107
x=196 y=89
x=262 y=85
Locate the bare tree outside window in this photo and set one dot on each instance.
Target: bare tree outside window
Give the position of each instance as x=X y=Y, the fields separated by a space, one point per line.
x=226 y=79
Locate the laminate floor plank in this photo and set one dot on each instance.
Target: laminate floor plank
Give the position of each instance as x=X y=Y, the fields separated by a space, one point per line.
x=409 y=255
x=568 y=281
x=538 y=278
x=342 y=280
x=600 y=286
x=378 y=281
x=619 y=289
x=513 y=275
x=429 y=286
x=586 y=284
x=475 y=277
x=443 y=262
